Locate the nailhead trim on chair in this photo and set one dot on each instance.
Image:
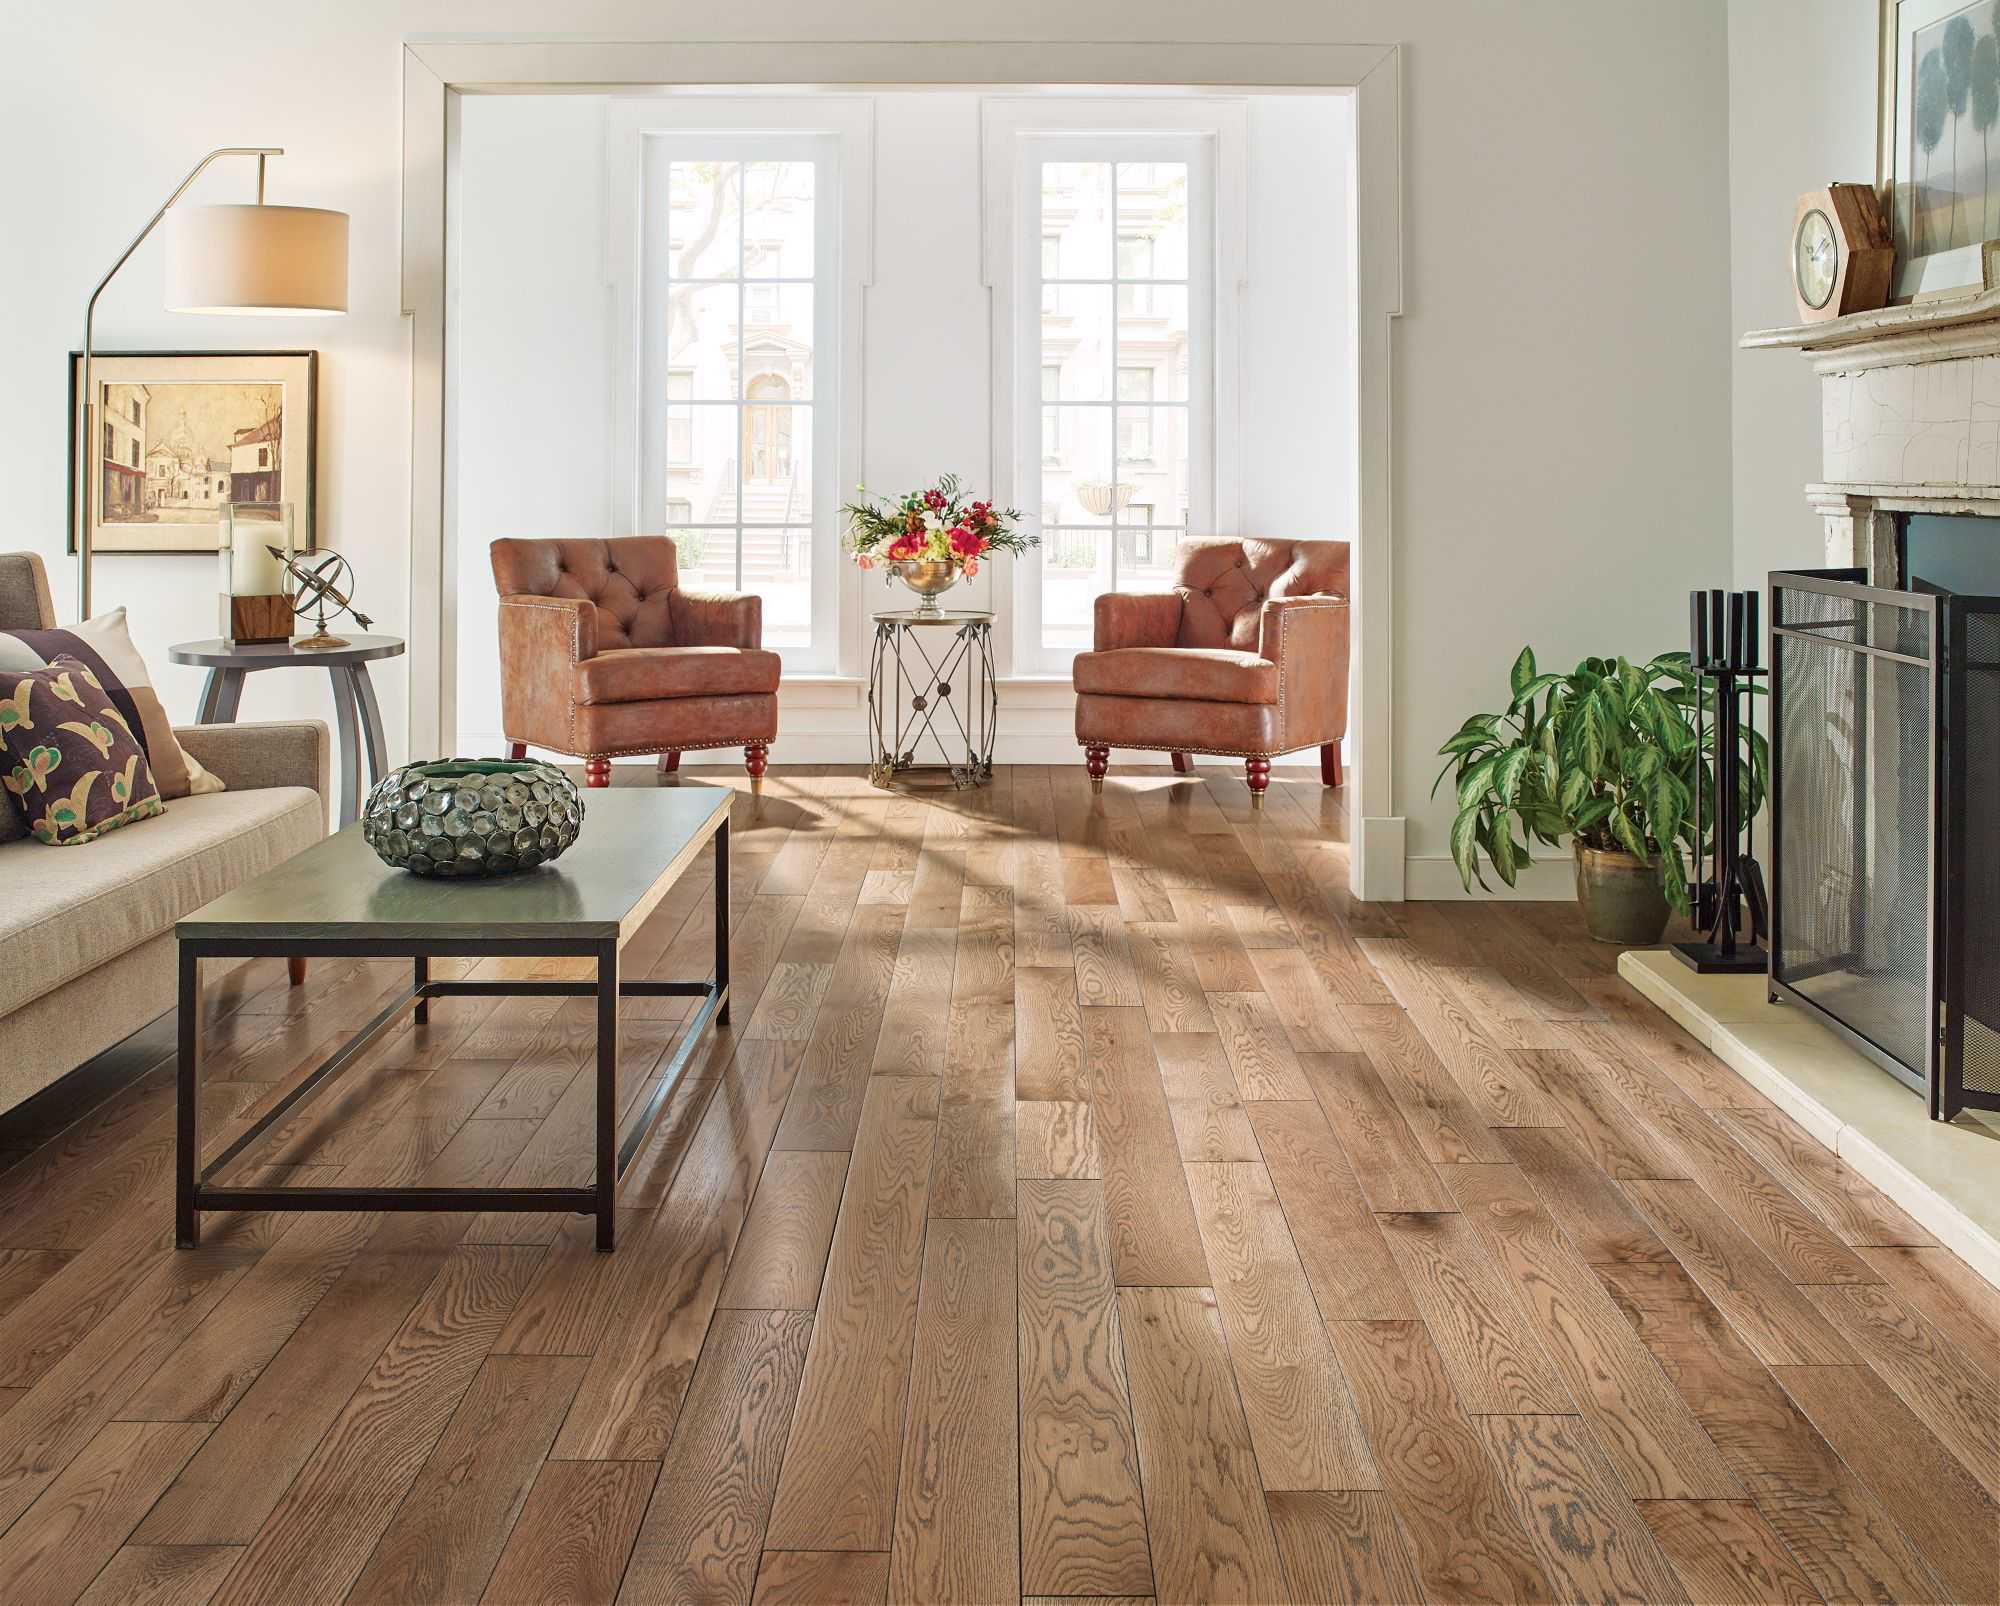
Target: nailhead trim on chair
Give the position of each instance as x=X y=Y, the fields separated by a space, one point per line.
x=656 y=748
x=525 y=600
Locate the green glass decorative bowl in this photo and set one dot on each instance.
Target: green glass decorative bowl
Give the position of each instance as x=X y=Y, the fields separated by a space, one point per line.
x=472 y=817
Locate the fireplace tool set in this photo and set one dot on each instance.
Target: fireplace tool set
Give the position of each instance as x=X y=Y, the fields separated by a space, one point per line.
x=1723 y=649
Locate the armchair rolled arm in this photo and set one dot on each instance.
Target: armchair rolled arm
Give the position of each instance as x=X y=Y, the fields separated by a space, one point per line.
x=716 y=619
x=1306 y=637
x=248 y=758
x=1136 y=619
x=542 y=640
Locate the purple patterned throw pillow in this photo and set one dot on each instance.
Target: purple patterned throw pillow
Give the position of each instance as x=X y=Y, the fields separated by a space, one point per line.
x=68 y=757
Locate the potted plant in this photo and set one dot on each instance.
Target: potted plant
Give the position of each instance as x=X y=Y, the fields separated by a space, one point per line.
x=930 y=539
x=1612 y=755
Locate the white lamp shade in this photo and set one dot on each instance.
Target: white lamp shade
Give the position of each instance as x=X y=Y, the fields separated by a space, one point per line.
x=258 y=259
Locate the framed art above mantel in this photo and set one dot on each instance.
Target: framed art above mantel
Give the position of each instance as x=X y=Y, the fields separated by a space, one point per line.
x=1937 y=161
x=183 y=434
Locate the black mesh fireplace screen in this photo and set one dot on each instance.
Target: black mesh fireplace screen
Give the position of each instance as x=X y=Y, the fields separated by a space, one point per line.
x=1885 y=884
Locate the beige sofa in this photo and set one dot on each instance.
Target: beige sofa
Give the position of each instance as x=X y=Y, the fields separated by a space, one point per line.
x=88 y=931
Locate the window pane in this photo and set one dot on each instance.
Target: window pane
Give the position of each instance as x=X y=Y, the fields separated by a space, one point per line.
x=1076 y=567
x=777 y=565
x=1135 y=384
x=1077 y=477
x=778 y=341
x=1076 y=340
x=775 y=443
x=1154 y=335
x=703 y=227
x=1153 y=207
x=701 y=459
x=1146 y=555
x=778 y=220
x=707 y=557
x=1077 y=210
x=1153 y=459
x=701 y=339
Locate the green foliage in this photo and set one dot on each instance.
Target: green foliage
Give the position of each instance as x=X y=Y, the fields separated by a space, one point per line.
x=1607 y=754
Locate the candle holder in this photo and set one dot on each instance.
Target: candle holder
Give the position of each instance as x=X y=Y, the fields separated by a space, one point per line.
x=255 y=577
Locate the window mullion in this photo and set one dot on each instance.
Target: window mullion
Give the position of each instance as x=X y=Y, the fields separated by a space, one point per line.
x=1113 y=375
x=742 y=355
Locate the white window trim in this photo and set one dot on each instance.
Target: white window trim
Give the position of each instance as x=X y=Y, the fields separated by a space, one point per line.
x=1010 y=129
x=844 y=267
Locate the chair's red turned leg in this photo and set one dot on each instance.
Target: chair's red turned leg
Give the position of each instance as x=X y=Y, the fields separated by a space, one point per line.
x=295 y=967
x=597 y=772
x=1329 y=764
x=517 y=751
x=670 y=762
x=756 y=759
x=1257 y=773
x=1096 y=760
x=1183 y=764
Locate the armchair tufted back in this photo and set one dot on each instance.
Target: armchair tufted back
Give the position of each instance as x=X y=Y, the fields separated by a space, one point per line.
x=631 y=580
x=1223 y=585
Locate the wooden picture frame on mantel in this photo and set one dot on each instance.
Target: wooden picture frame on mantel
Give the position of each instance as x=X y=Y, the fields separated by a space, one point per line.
x=1937 y=168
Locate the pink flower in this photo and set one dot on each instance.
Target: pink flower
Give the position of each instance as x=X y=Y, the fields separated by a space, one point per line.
x=933 y=499
x=905 y=547
x=971 y=567
x=967 y=542
x=864 y=560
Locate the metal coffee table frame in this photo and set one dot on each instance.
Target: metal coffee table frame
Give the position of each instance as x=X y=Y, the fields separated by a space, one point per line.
x=912 y=713
x=194 y=1190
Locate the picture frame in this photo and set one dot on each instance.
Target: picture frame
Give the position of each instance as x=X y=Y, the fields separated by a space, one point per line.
x=183 y=433
x=1937 y=161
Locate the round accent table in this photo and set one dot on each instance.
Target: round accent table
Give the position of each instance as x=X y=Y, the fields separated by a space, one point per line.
x=912 y=677
x=357 y=714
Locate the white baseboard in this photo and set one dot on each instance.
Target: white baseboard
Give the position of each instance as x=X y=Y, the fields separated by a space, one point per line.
x=1376 y=860
x=1433 y=878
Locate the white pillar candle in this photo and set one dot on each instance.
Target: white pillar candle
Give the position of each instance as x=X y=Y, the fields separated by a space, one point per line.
x=254 y=571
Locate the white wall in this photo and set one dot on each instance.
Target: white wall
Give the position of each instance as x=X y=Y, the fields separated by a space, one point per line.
x=1801 y=112
x=533 y=424
x=1567 y=320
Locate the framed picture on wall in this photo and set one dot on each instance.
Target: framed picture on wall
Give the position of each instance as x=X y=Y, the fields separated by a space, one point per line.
x=1938 y=142
x=181 y=434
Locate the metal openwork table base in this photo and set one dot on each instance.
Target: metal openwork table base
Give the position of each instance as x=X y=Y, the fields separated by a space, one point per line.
x=914 y=695
x=195 y=1187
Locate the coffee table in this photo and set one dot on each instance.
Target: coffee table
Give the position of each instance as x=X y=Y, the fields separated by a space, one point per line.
x=338 y=899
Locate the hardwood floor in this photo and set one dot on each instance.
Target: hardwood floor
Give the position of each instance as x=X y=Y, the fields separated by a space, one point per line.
x=1091 y=1202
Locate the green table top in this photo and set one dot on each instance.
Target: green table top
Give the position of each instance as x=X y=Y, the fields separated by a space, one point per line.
x=634 y=844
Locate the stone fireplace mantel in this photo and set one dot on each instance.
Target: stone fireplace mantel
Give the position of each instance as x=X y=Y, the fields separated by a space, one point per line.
x=1909 y=420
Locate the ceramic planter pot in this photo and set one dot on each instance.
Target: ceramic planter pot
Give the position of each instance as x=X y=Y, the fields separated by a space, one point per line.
x=1622 y=899
x=469 y=818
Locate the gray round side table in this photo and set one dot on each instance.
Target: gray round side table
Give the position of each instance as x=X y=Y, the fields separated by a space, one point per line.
x=357 y=714
x=912 y=677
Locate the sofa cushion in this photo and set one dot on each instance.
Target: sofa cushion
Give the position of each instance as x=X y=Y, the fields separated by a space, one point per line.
x=72 y=762
x=1216 y=676
x=646 y=674
x=66 y=913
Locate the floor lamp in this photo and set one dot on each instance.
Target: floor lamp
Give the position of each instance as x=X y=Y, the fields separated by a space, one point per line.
x=275 y=260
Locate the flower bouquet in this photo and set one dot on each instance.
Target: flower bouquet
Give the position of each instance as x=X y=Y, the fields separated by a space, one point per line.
x=928 y=539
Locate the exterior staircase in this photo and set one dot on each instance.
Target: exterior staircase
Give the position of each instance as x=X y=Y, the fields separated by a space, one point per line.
x=768 y=553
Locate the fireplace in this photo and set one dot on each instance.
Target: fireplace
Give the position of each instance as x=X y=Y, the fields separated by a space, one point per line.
x=1885 y=807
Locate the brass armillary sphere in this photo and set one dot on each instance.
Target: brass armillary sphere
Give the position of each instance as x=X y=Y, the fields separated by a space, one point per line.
x=323 y=579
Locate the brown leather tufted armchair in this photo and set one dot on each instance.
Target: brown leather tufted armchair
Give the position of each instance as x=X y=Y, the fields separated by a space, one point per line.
x=602 y=653
x=1246 y=655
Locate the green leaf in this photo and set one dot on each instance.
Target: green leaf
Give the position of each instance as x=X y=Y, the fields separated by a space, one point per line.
x=1472 y=785
x=1522 y=672
x=1627 y=834
x=1507 y=773
x=1503 y=848
x=1465 y=847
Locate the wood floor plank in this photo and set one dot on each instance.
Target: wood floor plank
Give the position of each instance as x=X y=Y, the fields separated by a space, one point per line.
x=1594 y=1545
x=1599 y=1219
x=1260 y=1051
x=1443 y=1121
x=1949 y=1294
x=838 y=1484
x=1048 y=1035
x=823 y=1578
x=1839 y=1533
x=782 y=1253
x=1339 y=1241
x=957 y=1531
x=1495 y=1360
x=1464 y=1534
x=1153 y=1235
x=1174 y=999
x=1776 y=1318
x=1105 y=972
x=568 y=1547
x=1055 y=1139
x=1724 y=1551
x=1856 y=1210
x=1221 y=963
x=1083 y=1526
x=703 y=1532
x=1302 y=1418
x=1387 y=1160
x=445 y=1537
x=81 y=1519
x=1657 y=1447
x=916 y=1015
x=1209 y=1120
x=1343 y=1545
x=1210 y=1532
x=161 y=1575
x=1308 y=1013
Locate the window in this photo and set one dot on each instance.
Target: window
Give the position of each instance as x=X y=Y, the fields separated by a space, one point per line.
x=736 y=307
x=263 y=457
x=1116 y=243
